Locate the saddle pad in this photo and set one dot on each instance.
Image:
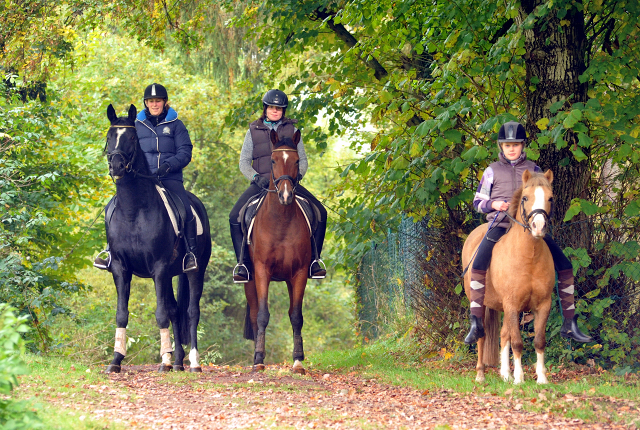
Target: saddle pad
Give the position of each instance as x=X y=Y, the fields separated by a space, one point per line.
x=172 y=216
x=250 y=214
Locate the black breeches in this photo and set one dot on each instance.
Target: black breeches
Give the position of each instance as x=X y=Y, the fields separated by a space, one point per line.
x=482 y=259
x=177 y=187
x=559 y=259
x=244 y=198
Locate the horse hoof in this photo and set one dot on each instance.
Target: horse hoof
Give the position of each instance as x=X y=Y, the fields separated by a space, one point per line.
x=258 y=367
x=299 y=370
x=164 y=368
x=195 y=369
x=178 y=368
x=112 y=368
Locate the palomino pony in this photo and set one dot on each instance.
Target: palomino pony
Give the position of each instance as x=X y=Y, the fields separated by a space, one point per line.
x=280 y=249
x=143 y=243
x=521 y=278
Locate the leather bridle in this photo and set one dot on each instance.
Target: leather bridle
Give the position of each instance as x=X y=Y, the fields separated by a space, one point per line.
x=128 y=159
x=294 y=182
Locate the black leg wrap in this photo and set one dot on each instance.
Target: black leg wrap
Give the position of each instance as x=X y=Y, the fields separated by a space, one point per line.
x=298 y=350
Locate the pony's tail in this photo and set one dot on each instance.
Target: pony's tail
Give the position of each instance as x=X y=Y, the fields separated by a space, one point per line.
x=491 y=337
x=183 y=308
x=248 y=328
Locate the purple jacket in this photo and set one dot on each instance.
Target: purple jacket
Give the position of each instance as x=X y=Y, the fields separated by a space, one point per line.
x=498 y=183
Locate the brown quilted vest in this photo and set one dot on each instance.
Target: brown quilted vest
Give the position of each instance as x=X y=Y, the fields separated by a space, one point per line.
x=262 y=143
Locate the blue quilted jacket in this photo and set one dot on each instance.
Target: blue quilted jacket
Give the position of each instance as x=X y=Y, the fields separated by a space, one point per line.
x=168 y=142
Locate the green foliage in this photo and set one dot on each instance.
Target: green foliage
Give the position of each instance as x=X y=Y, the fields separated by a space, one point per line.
x=13 y=414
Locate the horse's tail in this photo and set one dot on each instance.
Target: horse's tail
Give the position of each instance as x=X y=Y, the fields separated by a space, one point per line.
x=248 y=328
x=491 y=337
x=183 y=307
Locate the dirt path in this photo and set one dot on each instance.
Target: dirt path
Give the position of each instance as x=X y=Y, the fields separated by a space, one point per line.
x=221 y=398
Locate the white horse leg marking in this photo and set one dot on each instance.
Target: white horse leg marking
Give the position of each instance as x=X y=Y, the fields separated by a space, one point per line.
x=121 y=341
x=538 y=222
x=540 y=370
x=518 y=374
x=297 y=364
x=166 y=359
x=504 y=362
x=119 y=132
x=194 y=358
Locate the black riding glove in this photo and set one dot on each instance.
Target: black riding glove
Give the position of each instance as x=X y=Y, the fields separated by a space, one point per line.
x=299 y=178
x=261 y=181
x=164 y=169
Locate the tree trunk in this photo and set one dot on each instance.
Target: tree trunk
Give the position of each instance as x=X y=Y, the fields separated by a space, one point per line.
x=555 y=56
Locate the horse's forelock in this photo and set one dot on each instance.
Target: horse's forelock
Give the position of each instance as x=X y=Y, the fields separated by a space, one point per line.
x=536 y=180
x=286 y=141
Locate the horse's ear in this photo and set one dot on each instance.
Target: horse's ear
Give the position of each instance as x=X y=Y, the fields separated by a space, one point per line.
x=132 y=113
x=274 y=137
x=296 y=138
x=549 y=175
x=526 y=175
x=111 y=113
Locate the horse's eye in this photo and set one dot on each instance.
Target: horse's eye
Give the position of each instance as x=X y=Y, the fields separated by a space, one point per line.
x=551 y=199
x=273 y=161
x=525 y=199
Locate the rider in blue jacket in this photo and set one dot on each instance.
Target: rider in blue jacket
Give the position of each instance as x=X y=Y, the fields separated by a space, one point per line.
x=166 y=145
x=498 y=183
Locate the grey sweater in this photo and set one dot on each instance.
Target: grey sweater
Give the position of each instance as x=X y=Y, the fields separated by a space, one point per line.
x=246 y=154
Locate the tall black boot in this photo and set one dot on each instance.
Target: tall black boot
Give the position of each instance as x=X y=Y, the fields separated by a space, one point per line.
x=241 y=271
x=190 y=263
x=318 y=270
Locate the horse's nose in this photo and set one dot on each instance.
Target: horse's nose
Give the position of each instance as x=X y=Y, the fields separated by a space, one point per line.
x=285 y=195
x=538 y=225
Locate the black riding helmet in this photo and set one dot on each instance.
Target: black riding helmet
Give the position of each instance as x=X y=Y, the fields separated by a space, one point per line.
x=275 y=98
x=155 y=91
x=511 y=132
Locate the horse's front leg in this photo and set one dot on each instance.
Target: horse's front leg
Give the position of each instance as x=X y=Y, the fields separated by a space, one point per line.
x=166 y=312
x=505 y=347
x=195 y=282
x=122 y=279
x=541 y=315
x=262 y=278
x=296 y=289
x=511 y=323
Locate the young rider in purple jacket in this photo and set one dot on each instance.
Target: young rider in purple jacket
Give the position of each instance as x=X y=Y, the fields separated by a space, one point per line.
x=501 y=179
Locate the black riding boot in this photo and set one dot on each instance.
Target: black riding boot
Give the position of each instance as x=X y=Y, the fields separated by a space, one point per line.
x=570 y=330
x=190 y=263
x=476 y=331
x=318 y=270
x=241 y=271
x=103 y=263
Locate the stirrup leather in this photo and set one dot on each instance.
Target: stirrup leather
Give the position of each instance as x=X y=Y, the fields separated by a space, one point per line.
x=108 y=259
x=321 y=263
x=184 y=260
x=235 y=270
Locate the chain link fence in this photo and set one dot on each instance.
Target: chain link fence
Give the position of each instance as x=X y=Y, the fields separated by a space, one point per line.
x=416 y=273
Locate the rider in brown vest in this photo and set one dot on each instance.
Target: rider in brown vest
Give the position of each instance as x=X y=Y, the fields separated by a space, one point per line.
x=255 y=165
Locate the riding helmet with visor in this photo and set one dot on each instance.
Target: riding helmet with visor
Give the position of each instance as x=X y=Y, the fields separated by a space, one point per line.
x=512 y=132
x=155 y=91
x=275 y=98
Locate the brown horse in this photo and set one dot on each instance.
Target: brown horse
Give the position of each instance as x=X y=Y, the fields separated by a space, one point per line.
x=280 y=249
x=521 y=278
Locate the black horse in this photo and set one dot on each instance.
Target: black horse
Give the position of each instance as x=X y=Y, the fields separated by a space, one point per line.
x=143 y=243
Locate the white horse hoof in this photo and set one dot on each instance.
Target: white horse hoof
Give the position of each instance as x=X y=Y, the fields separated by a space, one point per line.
x=480 y=378
x=298 y=368
x=542 y=380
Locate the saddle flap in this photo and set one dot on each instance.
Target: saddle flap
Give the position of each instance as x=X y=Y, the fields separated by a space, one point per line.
x=249 y=210
x=177 y=212
x=310 y=212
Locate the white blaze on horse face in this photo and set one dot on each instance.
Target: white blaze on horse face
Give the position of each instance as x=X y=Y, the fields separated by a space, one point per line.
x=537 y=223
x=285 y=156
x=285 y=192
x=119 y=133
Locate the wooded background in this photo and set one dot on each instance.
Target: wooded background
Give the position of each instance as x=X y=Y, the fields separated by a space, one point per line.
x=399 y=101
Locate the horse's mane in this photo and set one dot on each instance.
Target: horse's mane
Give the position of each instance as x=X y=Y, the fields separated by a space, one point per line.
x=536 y=180
x=286 y=141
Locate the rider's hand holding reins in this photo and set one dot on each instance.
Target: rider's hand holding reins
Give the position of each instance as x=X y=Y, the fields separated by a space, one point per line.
x=500 y=206
x=164 y=169
x=261 y=181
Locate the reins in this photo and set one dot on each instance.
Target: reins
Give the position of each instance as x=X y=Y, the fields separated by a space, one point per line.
x=128 y=160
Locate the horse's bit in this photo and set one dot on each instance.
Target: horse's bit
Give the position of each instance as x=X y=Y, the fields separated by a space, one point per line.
x=526 y=217
x=294 y=182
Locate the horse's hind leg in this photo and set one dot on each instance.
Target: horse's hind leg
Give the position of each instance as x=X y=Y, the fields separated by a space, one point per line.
x=195 y=284
x=480 y=364
x=505 y=347
x=511 y=324
x=122 y=279
x=540 y=342
x=296 y=289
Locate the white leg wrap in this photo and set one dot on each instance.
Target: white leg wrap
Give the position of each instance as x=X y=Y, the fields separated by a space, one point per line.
x=194 y=358
x=166 y=358
x=165 y=341
x=121 y=341
x=518 y=374
x=504 y=362
x=540 y=370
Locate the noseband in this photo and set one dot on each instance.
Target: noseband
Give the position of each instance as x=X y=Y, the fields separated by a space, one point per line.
x=127 y=159
x=294 y=182
x=527 y=217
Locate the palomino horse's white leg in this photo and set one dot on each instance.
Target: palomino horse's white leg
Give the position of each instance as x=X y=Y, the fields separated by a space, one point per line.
x=518 y=374
x=540 y=370
x=504 y=362
x=194 y=358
